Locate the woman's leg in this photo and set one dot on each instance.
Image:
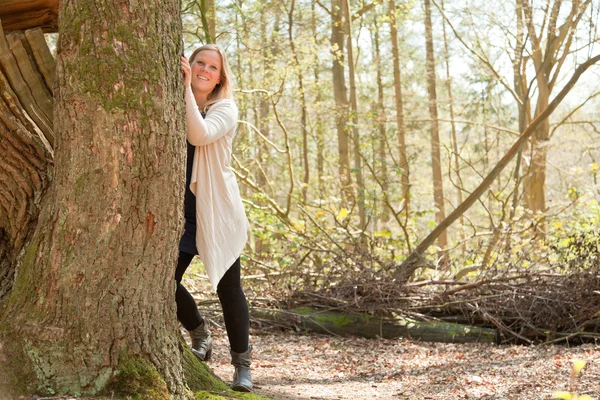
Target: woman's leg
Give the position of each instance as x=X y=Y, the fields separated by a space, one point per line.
x=235 y=308
x=187 y=310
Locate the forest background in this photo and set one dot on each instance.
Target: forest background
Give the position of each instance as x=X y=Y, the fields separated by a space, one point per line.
x=363 y=125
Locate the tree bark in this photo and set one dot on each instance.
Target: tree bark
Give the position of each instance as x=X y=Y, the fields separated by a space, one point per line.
x=319 y=125
x=549 y=52
x=340 y=94
x=404 y=166
x=438 y=186
x=353 y=119
x=381 y=154
x=94 y=289
x=303 y=113
x=453 y=139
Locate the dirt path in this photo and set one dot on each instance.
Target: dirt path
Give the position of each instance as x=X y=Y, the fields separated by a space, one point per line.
x=292 y=366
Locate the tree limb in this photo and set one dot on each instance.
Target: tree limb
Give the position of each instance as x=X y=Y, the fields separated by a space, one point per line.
x=415 y=259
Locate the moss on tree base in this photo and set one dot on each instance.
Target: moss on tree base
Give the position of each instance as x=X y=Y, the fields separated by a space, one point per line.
x=138 y=379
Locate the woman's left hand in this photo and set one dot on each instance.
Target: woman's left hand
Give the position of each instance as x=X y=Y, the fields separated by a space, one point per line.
x=187 y=71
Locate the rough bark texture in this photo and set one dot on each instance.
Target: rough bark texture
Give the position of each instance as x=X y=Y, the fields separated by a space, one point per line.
x=94 y=291
x=20 y=15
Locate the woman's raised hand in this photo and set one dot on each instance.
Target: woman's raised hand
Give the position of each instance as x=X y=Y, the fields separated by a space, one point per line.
x=187 y=71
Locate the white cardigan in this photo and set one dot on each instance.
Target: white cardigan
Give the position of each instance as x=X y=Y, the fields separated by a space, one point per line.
x=221 y=223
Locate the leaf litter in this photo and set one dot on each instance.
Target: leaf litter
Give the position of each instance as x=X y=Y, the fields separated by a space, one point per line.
x=289 y=365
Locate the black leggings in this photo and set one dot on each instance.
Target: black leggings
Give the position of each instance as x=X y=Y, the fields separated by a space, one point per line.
x=231 y=296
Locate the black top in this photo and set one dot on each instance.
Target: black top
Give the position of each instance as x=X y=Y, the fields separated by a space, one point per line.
x=187 y=244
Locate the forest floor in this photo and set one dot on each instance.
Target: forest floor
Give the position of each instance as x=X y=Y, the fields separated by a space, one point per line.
x=289 y=366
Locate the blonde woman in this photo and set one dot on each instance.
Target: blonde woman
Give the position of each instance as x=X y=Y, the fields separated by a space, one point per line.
x=215 y=221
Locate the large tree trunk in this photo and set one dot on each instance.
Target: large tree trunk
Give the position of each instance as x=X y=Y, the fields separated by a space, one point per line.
x=94 y=289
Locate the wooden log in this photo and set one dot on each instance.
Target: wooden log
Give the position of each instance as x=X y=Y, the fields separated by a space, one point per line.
x=27 y=14
x=362 y=325
x=23 y=91
x=43 y=58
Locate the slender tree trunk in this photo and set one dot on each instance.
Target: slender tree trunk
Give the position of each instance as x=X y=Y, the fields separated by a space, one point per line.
x=520 y=86
x=263 y=111
x=207 y=14
x=303 y=123
x=340 y=96
x=353 y=120
x=438 y=187
x=244 y=138
x=381 y=141
x=320 y=135
x=535 y=184
x=262 y=247
x=453 y=139
x=94 y=291
x=403 y=156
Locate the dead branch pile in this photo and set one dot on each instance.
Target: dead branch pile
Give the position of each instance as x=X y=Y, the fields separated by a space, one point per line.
x=525 y=306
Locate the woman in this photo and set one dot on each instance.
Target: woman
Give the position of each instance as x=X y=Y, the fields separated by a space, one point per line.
x=215 y=221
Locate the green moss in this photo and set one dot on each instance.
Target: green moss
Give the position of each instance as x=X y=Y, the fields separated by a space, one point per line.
x=208 y=396
x=26 y=275
x=199 y=376
x=338 y=319
x=138 y=378
x=81 y=184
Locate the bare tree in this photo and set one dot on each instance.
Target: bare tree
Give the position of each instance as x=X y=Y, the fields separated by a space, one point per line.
x=438 y=186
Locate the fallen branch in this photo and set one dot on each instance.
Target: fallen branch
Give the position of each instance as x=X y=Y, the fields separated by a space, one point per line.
x=363 y=325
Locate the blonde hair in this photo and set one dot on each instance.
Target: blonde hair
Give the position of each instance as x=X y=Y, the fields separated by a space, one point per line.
x=224 y=89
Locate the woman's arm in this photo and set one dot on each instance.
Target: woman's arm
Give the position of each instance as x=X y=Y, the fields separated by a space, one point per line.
x=221 y=119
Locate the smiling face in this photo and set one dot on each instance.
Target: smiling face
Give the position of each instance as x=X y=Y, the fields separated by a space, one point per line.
x=206 y=71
